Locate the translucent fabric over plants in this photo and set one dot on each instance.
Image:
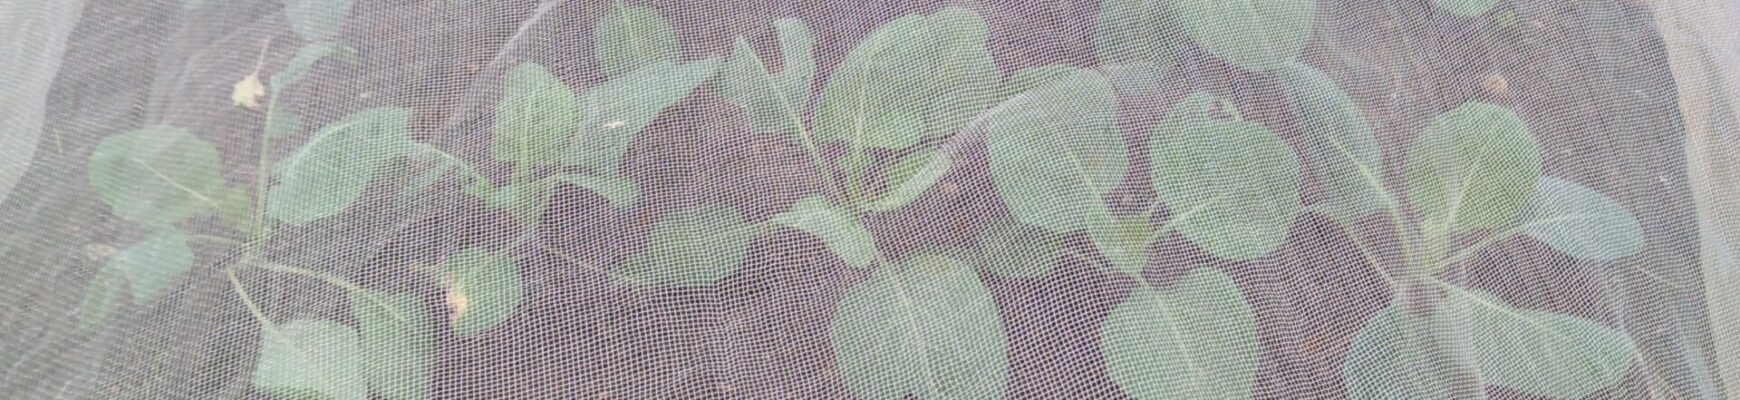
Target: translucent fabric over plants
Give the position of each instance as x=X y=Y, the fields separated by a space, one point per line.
x=963 y=199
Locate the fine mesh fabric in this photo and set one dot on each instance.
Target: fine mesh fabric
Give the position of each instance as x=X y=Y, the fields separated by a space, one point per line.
x=913 y=199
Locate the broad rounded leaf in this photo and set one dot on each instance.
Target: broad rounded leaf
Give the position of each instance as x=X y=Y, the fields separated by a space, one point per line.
x=152 y=264
x=837 y=227
x=1194 y=340
x=1014 y=249
x=929 y=331
x=311 y=358
x=1338 y=144
x=535 y=117
x=1467 y=8
x=773 y=102
x=1257 y=35
x=694 y=247
x=1135 y=32
x=1581 y=222
x=1232 y=186
x=632 y=37
x=1030 y=78
x=106 y=292
x=330 y=172
x=1389 y=359
x=1054 y=151
x=621 y=192
x=316 y=20
x=1124 y=242
x=1474 y=167
x=483 y=289
x=916 y=77
x=398 y=343
x=911 y=177
x=1546 y=354
x=613 y=113
x=156 y=176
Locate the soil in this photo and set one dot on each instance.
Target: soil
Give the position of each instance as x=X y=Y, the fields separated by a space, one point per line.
x=1590 y=78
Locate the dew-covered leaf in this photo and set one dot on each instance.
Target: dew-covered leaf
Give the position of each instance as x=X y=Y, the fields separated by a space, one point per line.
x=1135 y=32
x=614 y=112
x=1196 y=339
x=929 y=330
x=621 y=192
x=917 y=77
x=317 y=20
x=482 y=290
x=1232 y=186
x=693 y=247
x=330 y=172
x=910 y=177
x=632 y=37
x=839 y=230
x=1256 y=35
x=1338 y=144
x=304 y=61
x=156 y=176
x=1581 y=222
x=311 y=359
x=1054 y=151
x=1473 y=167
x=398 y=343
x=1014 y=249
x=536 y=116
x=773 y=102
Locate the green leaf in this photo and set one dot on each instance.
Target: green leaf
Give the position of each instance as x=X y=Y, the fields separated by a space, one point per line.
x=1467 y=8
x=1581 y=222
x=917 y=77
x=1123 y=241
x=1391 y=358
x=316 y=20
x=1474 y=167
x=1135 y=32
x=310 y=358
x=1055 y=152
x=930 y=330
x=483 y=289
x=1257 y=35
x=694 y=247
x=156 y=176
x=152 y=264
x=303 y=62
x=236 y=208
x=621 y=192
x=632 y=37
x=1030 y=78
x=1545 y=354
x=330 y=172
x=398 y=345
x=613 y=113
x=192 y=4
x=1014 y=249
x=105 y=292
x=773 y=102
x=525 y=201
x=837 y=227
x=535 y=118
x=1194 y=340
x=1339 y=145
x=1232 y=186
x=911 y=177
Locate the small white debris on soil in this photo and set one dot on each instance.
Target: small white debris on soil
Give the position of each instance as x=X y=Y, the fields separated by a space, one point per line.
x=1496 y=85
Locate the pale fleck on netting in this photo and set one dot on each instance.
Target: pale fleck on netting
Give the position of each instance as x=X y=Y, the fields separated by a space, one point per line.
x=783 y=199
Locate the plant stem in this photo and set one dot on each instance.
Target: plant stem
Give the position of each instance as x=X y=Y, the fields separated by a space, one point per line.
x=260 y=316
x=216 y=239
x=262 y=173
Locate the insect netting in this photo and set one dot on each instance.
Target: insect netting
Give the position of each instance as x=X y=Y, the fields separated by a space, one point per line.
x=794 y=199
